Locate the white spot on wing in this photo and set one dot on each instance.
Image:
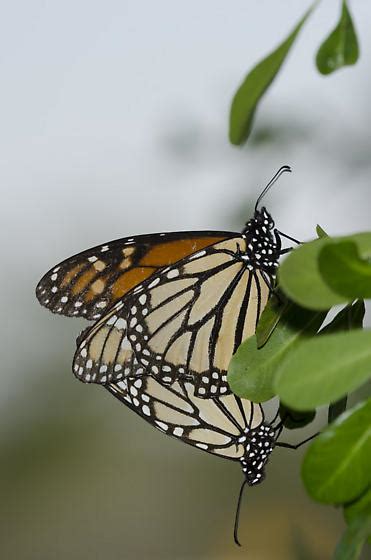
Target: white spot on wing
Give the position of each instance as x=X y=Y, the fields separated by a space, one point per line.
x=120 y=324
x=154 y=283
x=173 y=273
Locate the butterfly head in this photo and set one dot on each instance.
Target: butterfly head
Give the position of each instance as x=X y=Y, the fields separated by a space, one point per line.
x=264 y=219
x=259 y=445
x=261 y=224
x=263 y=239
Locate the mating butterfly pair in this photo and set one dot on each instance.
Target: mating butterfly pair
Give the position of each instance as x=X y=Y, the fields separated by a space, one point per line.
x=170 y=310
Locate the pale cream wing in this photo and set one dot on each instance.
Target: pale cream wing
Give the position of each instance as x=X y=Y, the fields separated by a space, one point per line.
x=190 y=319
x=217 y=426
x=184 y=323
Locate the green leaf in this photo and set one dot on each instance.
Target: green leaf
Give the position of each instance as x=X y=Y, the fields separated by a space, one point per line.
x=351 y=317
x=341 y=46
x=361 y=504
x=355 y=536
x=251 y=370
x=324 y=369
x=300 y=277
x=320 y=232
x=344 y=271
x=336 y=467
x=292 y=419
x=270 y=317
x=358 y=517
x=254 y=86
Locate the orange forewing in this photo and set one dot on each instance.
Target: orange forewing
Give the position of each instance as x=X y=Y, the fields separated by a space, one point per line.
x=130 y=279
x=165 y=254
x=87 y=284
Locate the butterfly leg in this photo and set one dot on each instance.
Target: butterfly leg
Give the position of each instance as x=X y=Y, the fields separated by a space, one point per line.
x=297 y=445
x=284 y=251
x=289 y=237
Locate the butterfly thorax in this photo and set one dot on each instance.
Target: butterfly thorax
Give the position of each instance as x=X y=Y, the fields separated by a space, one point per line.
x=263 y=244
x=259 y=444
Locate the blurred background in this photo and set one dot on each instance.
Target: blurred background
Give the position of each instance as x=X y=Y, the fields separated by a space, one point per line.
x=114 y=122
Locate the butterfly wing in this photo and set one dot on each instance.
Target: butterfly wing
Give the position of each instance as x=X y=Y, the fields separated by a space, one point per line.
x=225 y=426
x=183 y=323
x=213 y=425
x=87 y=284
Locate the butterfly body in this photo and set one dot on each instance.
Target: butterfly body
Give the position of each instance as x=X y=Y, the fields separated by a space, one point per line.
x=259 y=445
x=263 y=243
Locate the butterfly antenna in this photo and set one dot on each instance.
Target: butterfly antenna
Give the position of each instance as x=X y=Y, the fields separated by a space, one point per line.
x=283 y=169
x=237 y=518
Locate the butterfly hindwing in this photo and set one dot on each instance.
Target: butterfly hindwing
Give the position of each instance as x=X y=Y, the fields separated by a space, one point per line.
x=185 y=322
x=213 y=425
x=226 y=426
x=89 y=283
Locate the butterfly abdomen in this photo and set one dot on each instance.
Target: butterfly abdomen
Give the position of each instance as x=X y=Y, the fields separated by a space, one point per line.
x=259 y=445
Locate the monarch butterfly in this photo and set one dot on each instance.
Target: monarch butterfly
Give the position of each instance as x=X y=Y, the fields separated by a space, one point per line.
x=186 y=320
x=225 y=426
x=170 y=311
x=169 y=296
